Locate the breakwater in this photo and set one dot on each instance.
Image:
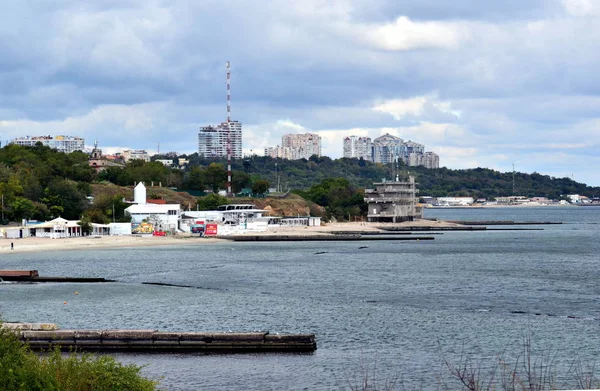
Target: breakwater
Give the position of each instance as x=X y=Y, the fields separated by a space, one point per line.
x=320 y=238
x=502 y=222
x=33 y=276
x=154 y=341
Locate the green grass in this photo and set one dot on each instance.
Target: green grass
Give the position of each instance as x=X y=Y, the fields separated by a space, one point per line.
x=22 y=369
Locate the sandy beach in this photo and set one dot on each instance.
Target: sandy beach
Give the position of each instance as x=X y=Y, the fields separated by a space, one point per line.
x=27 y=245
x=33 y=244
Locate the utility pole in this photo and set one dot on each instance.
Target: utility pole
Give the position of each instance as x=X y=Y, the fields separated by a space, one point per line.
x=513 y=180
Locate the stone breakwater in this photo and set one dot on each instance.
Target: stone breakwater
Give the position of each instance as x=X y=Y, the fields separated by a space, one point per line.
x=48 y=336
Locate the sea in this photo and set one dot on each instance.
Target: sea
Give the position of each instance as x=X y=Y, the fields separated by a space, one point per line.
x=403 y=312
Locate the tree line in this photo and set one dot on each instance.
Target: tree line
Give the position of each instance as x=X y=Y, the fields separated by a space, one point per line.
x=41 y=183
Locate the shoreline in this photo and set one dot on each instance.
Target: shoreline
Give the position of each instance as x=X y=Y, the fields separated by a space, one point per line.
x=36 y=244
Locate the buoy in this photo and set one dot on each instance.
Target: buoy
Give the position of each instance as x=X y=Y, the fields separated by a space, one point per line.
x=76 y=293
x=64 y=302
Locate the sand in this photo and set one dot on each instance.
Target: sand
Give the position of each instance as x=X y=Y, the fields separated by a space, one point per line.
x=27 y=245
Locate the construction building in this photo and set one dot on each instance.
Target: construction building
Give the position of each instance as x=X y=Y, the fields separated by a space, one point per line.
x=393 y=202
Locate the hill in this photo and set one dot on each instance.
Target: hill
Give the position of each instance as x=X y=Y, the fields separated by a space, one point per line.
x=476 y=182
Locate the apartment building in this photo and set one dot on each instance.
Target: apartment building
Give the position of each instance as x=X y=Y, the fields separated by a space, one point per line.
x=66 y=144
x=213 y=140
x=358 y=147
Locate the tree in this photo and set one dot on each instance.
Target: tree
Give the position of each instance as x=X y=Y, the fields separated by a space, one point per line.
x=260 y=186
x=211 y=202
x=22 y=208
x=86 y=226
x=215 y=176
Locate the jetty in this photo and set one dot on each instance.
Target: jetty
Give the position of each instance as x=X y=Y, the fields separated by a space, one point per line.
x=33 y=276
x=322 y=237
x=154 y=341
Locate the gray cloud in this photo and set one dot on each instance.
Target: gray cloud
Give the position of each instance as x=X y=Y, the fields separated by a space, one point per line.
x=498 y=82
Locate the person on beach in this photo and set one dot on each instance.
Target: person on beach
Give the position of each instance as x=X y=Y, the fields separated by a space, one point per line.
x=12 y=246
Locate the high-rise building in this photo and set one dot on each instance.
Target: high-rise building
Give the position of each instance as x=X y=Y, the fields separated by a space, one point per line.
x=431 y=160
x=358 y=147
x=387 y=148
x=301 y=146
x=212 y=140
x=66 y=144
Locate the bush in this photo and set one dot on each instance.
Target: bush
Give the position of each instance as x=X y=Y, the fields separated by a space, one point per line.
x=22 y=369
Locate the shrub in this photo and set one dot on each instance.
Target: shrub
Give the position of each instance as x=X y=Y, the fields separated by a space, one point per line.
x=22 y=369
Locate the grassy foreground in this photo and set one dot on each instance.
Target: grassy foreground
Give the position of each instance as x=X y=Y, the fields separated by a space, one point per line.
x=22 y=369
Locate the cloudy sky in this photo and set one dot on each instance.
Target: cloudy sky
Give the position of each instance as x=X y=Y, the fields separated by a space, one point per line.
x=482 y=83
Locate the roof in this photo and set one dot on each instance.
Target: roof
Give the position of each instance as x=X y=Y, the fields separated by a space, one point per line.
x=152 y=208
x=55 y=222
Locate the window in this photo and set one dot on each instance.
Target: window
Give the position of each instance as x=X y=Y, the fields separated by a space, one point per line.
x=172 y=213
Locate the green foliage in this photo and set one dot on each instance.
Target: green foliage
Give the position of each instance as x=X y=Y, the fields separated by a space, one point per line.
x=65 y=199
x=260 y=186
x=215 y=176
x=21 y=369
x=102 y=209
x=478 y=182
x=211 y=201
x=340 y=199
x=86 y=225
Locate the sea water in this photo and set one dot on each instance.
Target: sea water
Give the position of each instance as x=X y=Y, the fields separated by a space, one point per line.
x=395 y=309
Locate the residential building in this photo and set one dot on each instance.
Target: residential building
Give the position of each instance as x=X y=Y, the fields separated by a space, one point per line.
x=431 y=160
x=358 y=147
x=135 y=154
x=387 y=148
x=393 y=201
x=278 y=152
x=66 y=144
x=213 y=140
x=166 y=162
x=300 y=146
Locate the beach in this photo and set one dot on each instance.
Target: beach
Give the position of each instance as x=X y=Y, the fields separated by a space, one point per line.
x=36 y=244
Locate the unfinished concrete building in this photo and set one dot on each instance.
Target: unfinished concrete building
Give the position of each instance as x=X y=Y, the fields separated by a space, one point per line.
x=393 y=202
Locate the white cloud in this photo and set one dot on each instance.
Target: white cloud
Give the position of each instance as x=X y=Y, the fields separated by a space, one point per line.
x=415 y=107
x=578 y=7
x=404 y=34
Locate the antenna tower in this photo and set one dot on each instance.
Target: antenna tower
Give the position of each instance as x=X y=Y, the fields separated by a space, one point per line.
x=229 y=193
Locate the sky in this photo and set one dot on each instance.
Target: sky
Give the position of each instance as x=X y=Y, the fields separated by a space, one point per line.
x=481 y=83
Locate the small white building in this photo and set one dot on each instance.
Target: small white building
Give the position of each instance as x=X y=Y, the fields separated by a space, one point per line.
x=163 y=217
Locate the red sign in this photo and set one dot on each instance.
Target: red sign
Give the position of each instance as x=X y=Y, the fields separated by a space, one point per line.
x=211 y=230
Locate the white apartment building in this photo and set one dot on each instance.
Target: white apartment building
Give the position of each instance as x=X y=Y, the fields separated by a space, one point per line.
x=358 y=147
x=135 y=154
x=278 y=152
x=66 y=144
x=213 y=140
x=301 y=146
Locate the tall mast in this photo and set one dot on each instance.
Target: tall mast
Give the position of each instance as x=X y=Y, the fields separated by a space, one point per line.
x=229 y=193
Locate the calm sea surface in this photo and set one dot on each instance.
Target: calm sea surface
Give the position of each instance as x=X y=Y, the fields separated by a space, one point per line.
x=396 y=307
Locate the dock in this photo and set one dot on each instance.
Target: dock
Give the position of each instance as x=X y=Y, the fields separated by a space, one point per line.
x=33 y=276
x=154 y=341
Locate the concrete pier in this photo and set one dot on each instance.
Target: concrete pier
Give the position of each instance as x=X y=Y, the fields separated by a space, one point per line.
x=33 y=276
x=321 y=237
x=154 y=341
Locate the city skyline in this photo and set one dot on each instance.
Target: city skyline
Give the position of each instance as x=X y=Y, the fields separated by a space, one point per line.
x=479 y=83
